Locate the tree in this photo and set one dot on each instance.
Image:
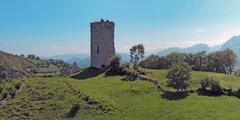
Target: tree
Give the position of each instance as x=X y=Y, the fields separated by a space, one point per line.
x=38 y=58
x=151 y=62
x=229 y=58
x=176 y=57
x=178 y=76
x=114 y=66
x=136 y=53
x=199 y=61
x=211 y=84
x=215 y=63
x=31 y=56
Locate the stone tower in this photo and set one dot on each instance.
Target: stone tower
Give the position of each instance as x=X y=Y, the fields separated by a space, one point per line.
x=102 y=42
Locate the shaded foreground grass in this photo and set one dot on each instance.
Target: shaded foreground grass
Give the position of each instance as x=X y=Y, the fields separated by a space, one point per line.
x=129 y=100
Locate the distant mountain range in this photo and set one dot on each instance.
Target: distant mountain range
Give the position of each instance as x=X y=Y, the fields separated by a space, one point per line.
x=84 y=59
x=194 y=49
x=233 y=44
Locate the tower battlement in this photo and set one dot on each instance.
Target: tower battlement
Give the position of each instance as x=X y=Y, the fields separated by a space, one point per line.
x=100 y=25
x=102 y=42
x=102 y=21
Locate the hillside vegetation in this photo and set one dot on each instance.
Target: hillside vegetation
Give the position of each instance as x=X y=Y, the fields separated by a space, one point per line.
x=14 y=66
x=108 y=98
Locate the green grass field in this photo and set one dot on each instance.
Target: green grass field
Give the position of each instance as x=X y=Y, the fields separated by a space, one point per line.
x=225 y=80
x=52 y=98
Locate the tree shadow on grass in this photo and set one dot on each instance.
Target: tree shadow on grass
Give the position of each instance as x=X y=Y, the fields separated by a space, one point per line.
x=87 y=73
x=169 y=95
x=204 y=92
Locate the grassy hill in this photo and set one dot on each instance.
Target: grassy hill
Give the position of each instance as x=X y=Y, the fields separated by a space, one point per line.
x=107 y=98
x=225 y=80
x=14 y=66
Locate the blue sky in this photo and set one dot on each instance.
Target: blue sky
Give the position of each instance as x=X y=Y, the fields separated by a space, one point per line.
x=51 y=27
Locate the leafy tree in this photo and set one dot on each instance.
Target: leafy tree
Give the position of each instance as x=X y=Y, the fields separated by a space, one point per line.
x=215 y=63
x=38 y=58
x=205 y=83
x=176 y=57
x=199 y=61
x=229 y=58
x=114 y=66
x=136 y=53
x=178 y=76
x=211 y=84
x=31 y=56
x=151 y=62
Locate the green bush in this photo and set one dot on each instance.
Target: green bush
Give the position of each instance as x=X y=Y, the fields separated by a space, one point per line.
x=238 y=93
x=211 y=84
x=178 y=76
x=18 y=85
x=1 y=89
x=3 y=75
x=215 y=86
x=114 y=67
x=4 y=94
x=12 y=91
x=74 y=110
x=204 y=83
x=237 y=73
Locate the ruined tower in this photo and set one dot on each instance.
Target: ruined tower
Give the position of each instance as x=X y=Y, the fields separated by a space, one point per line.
x=102 y=42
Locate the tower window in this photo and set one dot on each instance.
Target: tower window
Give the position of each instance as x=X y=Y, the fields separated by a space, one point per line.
x=97 y=49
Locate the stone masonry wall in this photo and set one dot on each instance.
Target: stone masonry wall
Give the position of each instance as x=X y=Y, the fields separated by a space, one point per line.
x=102 y=42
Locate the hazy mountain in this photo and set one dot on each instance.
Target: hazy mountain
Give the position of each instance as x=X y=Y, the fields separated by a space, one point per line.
x=194 y=49
x=125 y=58
x=215 y=48
x=197 y=48
x=69 y=57
x=233 y=44
x=83 y=60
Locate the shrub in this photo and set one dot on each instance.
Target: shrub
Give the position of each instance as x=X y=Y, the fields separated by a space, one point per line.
x=1 y=89
x=18 y=85
x=4 y=94
x=12 y=91
x=114 y=66
x=212 y=84
x=215 y=86
x=130 y=77
x=204 y=83
x=75 y=108
x=3 y=75
x=238 y=93
x=178 y=76
x=237 y=73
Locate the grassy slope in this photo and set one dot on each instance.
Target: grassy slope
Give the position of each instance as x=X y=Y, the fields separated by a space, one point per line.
x=26 y=66
x=137 y=100
x=225 y=80
x=14 y=62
